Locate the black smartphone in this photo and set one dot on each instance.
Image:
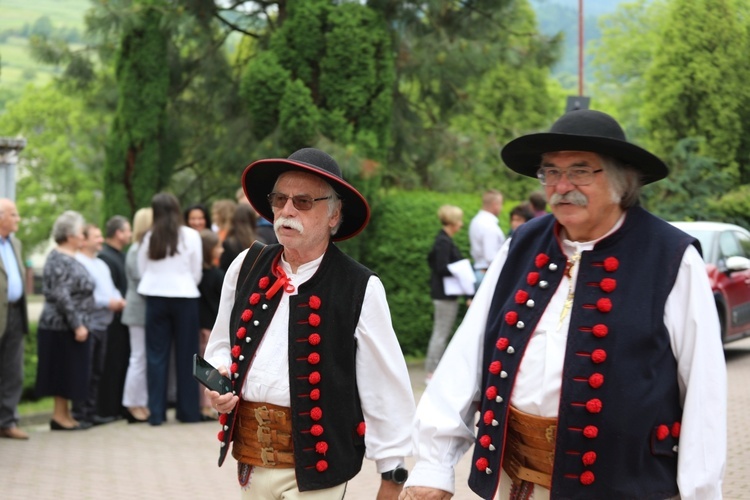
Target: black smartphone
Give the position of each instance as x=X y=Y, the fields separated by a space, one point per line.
x=209 y=376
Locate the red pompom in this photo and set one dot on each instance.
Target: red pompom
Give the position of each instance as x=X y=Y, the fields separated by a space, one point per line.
x=254 y=299
x=594 y=405
x=676 y=430
x=314 y=302
x=316 y=430
x=587 y=478
x=590 y=431
x=315 y=394
x=488 y=417
x=247 y=315
x=662 y=432
x=236 y=351
x=316 y=413
x=223 y=418
x=604 y=305
x=485 y=441
x=361 y=428
x=522 y=296
x=482 y=464
x=264 y=282
x=220 y=435
x=321 y=447
x=611 y=264
x=596 y=380
x=313 y=358
x=321 y=466
x=599 y=356
x=241 y=331
x=314 y=378
x=608 y=285
x=511 y=317
x=495 y=367
x=532 y=278
x=502 y=343
x=588 y=458
x=314 y=320
x=234 y=367
x=314 y=339
x=491 y=392
x=600 y=330
x=541 y=260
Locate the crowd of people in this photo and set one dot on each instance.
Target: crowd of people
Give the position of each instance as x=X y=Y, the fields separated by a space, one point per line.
x=124 y=311
x=589 y=364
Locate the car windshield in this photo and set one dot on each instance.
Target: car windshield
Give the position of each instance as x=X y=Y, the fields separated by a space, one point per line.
x=705 y=238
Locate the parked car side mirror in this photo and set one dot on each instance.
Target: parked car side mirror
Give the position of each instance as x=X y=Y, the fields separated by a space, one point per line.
x=737 y=263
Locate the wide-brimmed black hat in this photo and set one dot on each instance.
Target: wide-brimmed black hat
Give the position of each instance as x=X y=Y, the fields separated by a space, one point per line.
x=259 y=178
x=582 y=130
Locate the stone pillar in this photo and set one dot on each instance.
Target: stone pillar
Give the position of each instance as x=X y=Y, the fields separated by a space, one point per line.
x=9 y=149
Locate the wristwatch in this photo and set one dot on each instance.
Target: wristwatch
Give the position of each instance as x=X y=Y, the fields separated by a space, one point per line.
x=397 y=475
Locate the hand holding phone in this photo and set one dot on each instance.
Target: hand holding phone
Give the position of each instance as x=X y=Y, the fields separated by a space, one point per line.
x=209 y=376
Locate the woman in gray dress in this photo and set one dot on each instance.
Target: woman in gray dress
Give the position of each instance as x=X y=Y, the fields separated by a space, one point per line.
x=62 y=336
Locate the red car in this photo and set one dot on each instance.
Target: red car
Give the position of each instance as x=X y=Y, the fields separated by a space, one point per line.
x=726 y=250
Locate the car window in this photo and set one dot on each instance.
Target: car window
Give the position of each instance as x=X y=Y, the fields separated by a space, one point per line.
x=729 y=246
x=744 y=242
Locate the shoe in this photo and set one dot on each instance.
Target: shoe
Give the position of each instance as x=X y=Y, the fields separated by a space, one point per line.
x=97 y=420
x=132 y=419
x=56 y=426
x=13 y=433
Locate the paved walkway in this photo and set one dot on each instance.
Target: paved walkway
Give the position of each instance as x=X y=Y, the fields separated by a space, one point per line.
x=122 y=461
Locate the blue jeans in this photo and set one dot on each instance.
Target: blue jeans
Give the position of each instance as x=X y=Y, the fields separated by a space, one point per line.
x=168 y=320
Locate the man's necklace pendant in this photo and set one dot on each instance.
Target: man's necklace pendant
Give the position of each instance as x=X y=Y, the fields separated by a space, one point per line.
x=569 y=265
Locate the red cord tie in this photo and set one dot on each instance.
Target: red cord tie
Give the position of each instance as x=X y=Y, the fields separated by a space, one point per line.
x=282 y=280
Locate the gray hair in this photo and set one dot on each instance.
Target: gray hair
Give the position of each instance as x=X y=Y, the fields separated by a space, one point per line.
x=68 y=224
x=624 y=180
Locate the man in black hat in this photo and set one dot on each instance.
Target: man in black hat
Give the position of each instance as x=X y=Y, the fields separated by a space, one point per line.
x=305 y=335
x=592 y=350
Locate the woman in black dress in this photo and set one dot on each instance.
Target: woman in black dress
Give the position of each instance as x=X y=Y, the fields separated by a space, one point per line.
x=63 y=338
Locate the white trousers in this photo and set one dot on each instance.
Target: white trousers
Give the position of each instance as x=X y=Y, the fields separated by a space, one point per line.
x=281 y=484
x=135 y=392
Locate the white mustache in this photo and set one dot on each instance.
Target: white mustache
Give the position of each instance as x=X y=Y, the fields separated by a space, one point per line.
x=574 y=197
x=288 y=222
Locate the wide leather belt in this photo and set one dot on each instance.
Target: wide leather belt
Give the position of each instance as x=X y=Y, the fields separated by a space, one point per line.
x=530 y=448
x=263 y=435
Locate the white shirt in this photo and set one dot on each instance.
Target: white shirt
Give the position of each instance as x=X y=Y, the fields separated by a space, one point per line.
x=486 y=238
x=382 y=377
x=104 y=291
x=444 y=426
x=177 y=275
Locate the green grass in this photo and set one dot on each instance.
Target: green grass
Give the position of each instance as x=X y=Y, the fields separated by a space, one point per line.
x=44 y=405
x=16 y=13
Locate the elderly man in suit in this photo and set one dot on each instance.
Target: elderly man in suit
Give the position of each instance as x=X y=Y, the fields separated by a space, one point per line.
x=13 y=321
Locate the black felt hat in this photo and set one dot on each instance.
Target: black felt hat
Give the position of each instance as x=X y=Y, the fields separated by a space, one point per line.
x=259 y=178
x=582 y=130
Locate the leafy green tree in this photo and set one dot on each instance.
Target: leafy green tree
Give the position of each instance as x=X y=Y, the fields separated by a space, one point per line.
x=696 y=85
x=137 y=166
x=57 y=169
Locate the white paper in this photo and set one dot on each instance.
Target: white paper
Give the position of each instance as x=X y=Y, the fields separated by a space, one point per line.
x=462 y=280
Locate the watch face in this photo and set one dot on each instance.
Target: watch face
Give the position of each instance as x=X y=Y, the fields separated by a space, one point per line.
x=400 y=475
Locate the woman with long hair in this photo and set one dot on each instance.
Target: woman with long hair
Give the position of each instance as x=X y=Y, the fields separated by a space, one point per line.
x=171 y=263
x=240 y=236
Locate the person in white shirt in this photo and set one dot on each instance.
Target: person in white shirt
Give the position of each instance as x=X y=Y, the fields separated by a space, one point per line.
x=485 y=235
x=304 y=333
x=592 y=351
x=170 y=260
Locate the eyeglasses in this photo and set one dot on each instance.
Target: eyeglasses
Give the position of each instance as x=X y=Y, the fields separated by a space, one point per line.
x=300 y=201
x=578 y=176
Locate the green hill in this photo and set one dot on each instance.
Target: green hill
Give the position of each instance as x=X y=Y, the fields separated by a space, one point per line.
x=20 y=19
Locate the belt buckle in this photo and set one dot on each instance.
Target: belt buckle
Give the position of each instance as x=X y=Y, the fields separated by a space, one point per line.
x=262 y=415
x=265 y=455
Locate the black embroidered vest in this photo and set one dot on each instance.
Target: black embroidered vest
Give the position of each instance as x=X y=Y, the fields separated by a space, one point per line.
x=327 y=422
x=619 y=414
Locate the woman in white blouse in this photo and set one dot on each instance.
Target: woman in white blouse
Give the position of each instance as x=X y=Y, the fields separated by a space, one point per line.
x=170 y=260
